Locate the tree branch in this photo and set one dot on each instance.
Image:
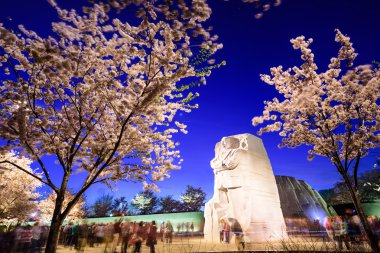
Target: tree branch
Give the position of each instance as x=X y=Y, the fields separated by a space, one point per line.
x=29 y=173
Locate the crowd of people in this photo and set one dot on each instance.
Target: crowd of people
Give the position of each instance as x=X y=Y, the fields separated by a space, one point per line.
x=345 y=231
x=348 y=231
x=230 y=227
x=116 y=236
x=29 y=239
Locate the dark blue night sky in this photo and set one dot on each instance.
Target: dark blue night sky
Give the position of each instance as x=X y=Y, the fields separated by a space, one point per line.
x=234 y=94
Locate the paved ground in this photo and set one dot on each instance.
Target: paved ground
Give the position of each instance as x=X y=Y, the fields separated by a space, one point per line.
x=198 y=244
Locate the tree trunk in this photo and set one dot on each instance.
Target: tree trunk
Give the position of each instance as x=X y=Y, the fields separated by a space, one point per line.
x=55 y=226
x=371 y=237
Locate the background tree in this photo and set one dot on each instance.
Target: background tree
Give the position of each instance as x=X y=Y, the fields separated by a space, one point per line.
x=18 y=190
x=145 y=202
x=169 y=205
x=100 y=94
x=335 y=113
x=120 y=206
x=193 y=199
x=103 y=206
x=88 y=211
x=46 y=207
x=368 y=185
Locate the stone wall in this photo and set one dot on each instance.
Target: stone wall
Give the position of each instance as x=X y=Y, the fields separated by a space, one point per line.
x=299 y=200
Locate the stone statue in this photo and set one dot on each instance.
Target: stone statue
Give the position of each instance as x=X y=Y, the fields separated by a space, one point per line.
x=299 y=200
x=245 y=191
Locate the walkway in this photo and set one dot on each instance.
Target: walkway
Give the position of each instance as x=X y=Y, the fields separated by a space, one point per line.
x=198 y=244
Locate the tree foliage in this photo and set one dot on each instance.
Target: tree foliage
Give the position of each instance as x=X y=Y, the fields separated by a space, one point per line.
x=146 y=202
x=103 y=206
x=369 y=189
x=193 y=199
x=120 y=206
x=47 y=205
x=336 y=112
x=18 y=190
x=100 y=94
x=169 y=205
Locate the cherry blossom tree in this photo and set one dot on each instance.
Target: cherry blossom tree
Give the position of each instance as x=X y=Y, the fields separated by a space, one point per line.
x=18 y=190
x=146 y=202
x=100 y=94
x=263 y=6
x=46 y=207
x=336 y=112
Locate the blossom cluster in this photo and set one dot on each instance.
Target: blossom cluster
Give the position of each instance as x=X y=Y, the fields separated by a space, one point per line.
x=336 y=113
x=100 y=94
x=47 y=205
x=18 y=190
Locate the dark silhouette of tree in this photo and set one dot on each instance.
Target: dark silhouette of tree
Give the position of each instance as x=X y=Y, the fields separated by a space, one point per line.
x=369 y=189
x=168 y=204
x=193 y=199
x=103 y=206
x=120 y=206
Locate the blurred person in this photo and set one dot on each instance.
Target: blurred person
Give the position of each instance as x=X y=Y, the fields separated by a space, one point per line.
x=354 y=234
x=221 y=231
x=36 y=237
x=328 y=227
x=192 y=228
x=162 y=230
x=8 y=238
x=75 y=235
x=138 y=237
x=169 y=232
x=238 y=232
x=151 y=240
x=44 y=234
x=25 y=239
x=126 y=232
x=116 y=236
x=108 y=237
x=374 y=224
x=226 y=230
x=67 y=238
x=91 y=234
x=83 y=231
x=99 y=233
x=339 y=226
x=17 y=235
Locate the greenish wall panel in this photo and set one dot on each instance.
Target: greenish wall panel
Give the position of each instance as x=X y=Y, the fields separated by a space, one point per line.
x=175 y=218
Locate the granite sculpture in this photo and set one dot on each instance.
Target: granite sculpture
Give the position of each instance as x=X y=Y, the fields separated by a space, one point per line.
x=245 y=191
x=299 y=200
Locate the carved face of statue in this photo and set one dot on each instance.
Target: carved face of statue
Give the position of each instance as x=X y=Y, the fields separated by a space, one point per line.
x=230 y=143
x=225 y=151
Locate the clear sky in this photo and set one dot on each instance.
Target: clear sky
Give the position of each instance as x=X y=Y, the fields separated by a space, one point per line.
x=234 y=94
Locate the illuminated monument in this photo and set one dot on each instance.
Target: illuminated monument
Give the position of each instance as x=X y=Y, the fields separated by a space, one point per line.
x=245 y=192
